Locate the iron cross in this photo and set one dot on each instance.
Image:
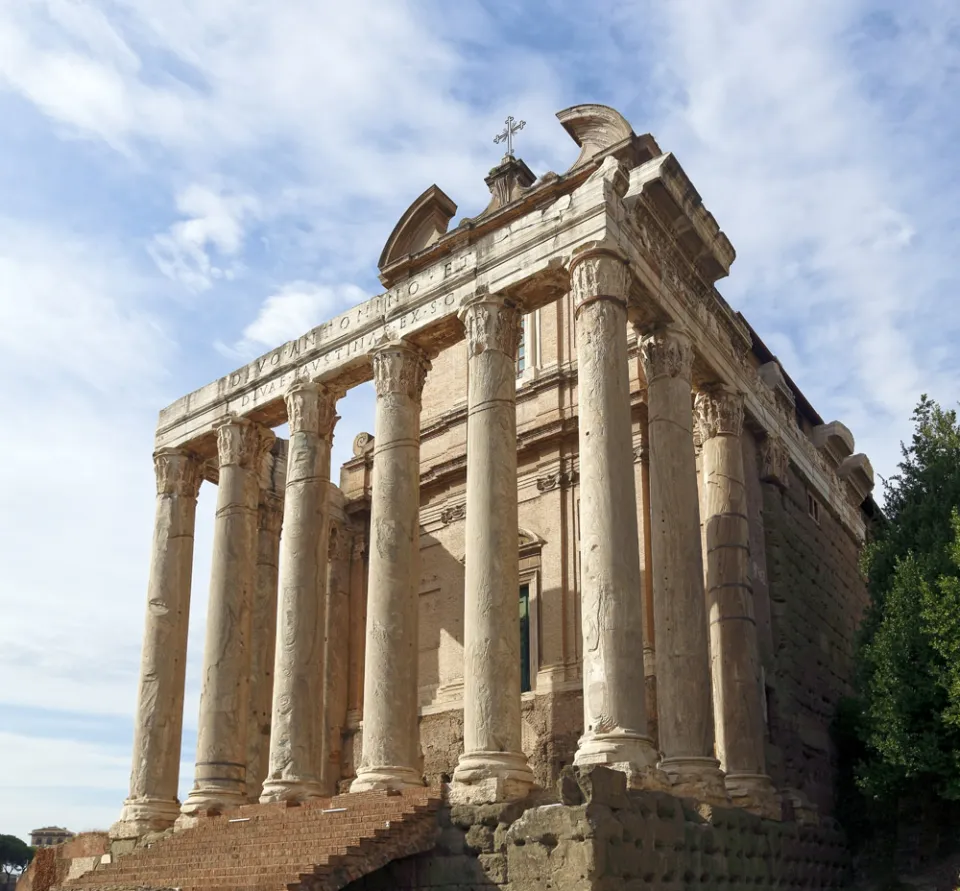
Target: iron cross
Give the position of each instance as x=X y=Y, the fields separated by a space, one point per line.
x=507 y=135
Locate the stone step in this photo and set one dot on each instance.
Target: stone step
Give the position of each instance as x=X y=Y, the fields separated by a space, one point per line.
x=277 y=847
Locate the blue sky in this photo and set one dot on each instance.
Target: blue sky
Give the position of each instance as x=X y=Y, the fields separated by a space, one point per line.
x=185 y=184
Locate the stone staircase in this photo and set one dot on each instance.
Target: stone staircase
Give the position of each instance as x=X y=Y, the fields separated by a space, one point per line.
x=321 y=845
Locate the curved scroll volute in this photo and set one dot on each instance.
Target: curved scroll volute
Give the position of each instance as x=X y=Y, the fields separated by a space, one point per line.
x=595 y=128
x=422 y=224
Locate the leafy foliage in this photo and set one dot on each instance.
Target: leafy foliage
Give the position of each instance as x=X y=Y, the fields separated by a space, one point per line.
x=908 y=717
x=15 y=854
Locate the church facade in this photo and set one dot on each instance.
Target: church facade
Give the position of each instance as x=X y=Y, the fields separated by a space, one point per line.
x=596 y=522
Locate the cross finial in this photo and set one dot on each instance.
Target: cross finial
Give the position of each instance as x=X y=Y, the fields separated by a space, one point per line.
x=507 y=135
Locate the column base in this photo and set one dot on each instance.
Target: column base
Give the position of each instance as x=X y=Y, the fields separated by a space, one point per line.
x=391 y=778
x=754 y=792
x=698 y=778
x=141 y=816
x=630 y=753
x=211 y=800
x=490 y=777
x=275 y=790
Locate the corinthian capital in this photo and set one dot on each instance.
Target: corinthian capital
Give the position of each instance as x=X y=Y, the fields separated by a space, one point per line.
x=597 y=274
x=719 y=411
x=243 y=442
x=399 y=368
x=492 y=324
x=178 y=473
x=311 y=408
x=666 y=351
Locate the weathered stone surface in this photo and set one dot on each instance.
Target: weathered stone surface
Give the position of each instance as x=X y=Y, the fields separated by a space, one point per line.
x=152 y=803
x=685 y=712
x=493 y=766
x=735 y=665
x=297 y=732
x=615 y=717
x=391 y=745
x=221 y=765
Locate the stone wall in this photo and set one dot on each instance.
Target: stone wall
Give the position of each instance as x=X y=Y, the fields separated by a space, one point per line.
x=816 y=599
x=599 y=836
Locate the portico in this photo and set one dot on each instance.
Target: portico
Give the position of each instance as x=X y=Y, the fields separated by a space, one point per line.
x=625 y=235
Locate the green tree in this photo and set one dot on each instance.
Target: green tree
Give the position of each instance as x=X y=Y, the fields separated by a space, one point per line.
x=908 y=711
x=15 y=854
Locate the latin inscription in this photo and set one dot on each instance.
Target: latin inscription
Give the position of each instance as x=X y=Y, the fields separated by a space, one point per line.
x=295 y=360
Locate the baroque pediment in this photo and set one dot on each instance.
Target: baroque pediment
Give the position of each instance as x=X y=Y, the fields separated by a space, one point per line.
x=422 y=224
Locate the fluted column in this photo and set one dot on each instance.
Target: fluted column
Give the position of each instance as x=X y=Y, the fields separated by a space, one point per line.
x=614 y=701
x=221 y=767
x=685 y=713
x=737 y=703
x=296 y=732
x=263 y=634
x=336 y=655
x=492 y=766
x=158 y=722
x=391 y=738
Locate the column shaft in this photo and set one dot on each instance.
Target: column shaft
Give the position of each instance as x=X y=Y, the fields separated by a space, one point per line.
x=296 y=734
x=263 y=638
x=391 y=739
x=614 y=701
x=492 y=766
x=158 y=722
x=337 y=648
x=737 y=702
x=221 y=767
x=685 y=713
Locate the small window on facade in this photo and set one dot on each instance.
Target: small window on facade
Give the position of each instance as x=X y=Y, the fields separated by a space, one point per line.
x=522 y=348
x=524 y=638
x=813 y=507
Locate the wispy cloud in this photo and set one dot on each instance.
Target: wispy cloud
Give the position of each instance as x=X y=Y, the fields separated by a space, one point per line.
x=295 y=308
x=215 y=227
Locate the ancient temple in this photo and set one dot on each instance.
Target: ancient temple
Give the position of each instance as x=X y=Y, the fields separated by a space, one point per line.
x=597 y=535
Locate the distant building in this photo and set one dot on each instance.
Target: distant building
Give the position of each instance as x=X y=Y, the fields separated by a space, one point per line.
x=50 y=835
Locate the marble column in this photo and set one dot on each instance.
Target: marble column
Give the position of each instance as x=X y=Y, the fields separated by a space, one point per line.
x=152 y=804
x=492 y=766
x=737 y=694
x=614 y=700
x=221 y=767
x=684 y=706
x=296 y=731
x=336 y=654
x=263 y=635
x=646 y=574
x=391 y=738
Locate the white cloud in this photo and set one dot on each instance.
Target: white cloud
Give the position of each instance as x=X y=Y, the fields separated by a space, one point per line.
x=89 y=359
x=811 y=170
x=293 y=310
x=215 y=226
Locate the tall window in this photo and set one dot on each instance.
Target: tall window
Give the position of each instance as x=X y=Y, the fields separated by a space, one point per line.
x=522 y=347
x=524 y=638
